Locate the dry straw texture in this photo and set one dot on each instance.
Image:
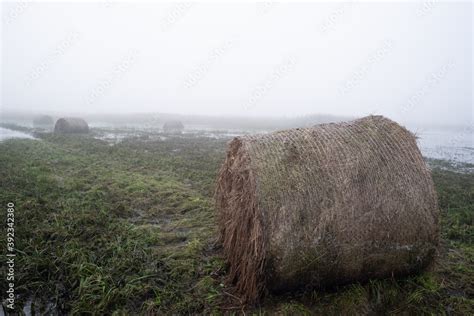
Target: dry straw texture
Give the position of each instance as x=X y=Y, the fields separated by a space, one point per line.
x=325 y=205
x=71 y=125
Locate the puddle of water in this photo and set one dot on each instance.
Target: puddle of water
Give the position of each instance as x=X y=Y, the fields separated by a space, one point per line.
x=455 y=145
x=112 y=138
x=34 y=307
x=8 y=134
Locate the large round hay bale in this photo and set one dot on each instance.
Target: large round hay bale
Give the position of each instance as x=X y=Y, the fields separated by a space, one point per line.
x=71 y=125
x=325 y=205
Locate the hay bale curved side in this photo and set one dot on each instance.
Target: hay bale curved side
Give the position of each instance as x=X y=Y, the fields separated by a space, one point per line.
x=325 y=205
x=71 y=125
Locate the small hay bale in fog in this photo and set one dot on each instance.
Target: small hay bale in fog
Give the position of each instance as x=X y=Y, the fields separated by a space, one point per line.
x=173 y=127
x=71 y=125
x=43 y=121
x=325 y=205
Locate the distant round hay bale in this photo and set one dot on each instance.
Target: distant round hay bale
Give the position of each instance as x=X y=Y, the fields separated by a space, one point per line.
x=43 y=121
x=71 y=125
x=325 y=205
x=173 y=127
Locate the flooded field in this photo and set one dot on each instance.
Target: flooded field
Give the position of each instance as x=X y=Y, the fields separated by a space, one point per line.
x=8 y=134
x=453 y=145
x=126 y=221
x=169 y=158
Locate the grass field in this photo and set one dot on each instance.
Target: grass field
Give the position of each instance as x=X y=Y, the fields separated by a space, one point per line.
x=129 y=228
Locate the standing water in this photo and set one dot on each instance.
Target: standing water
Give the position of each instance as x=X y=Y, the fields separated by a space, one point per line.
x=455 y=145
x=8 y=133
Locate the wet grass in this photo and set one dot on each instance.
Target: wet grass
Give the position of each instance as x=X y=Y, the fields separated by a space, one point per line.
x=130 y=228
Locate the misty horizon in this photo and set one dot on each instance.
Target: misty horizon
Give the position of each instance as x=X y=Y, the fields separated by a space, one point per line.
x=409 y=62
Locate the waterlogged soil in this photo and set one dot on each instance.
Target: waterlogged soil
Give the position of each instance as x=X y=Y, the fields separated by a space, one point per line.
x=123 y=222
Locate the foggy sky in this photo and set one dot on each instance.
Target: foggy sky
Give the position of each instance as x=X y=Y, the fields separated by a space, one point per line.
x=410 y=62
